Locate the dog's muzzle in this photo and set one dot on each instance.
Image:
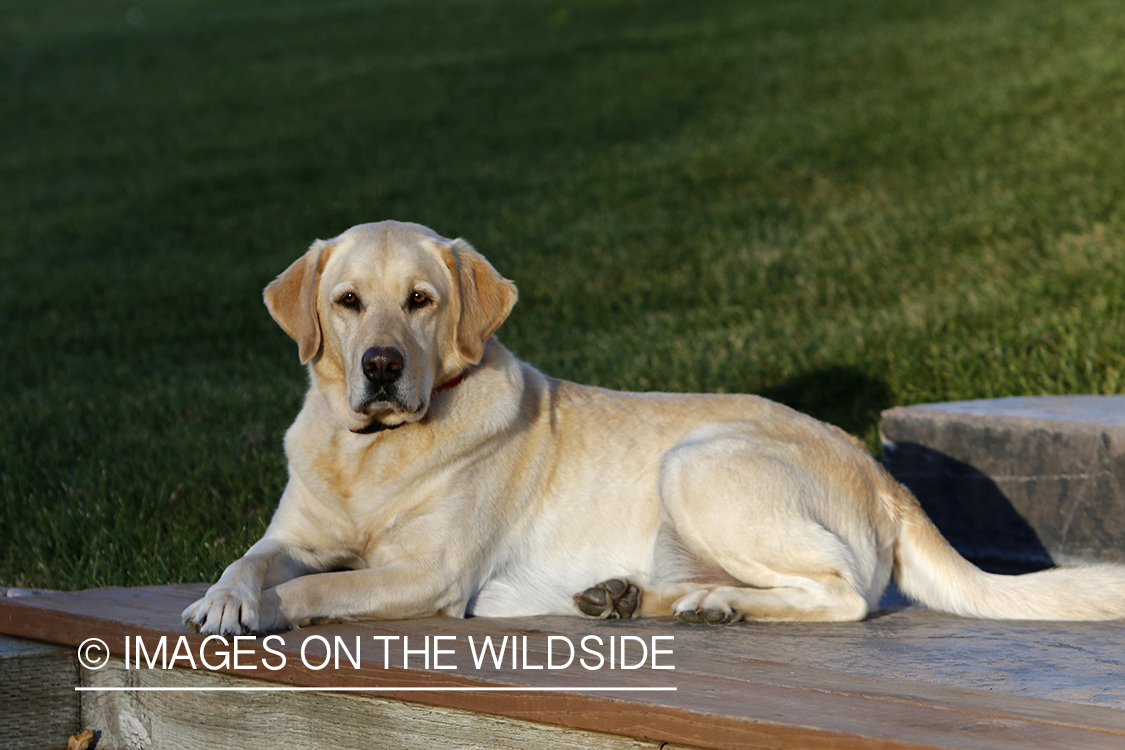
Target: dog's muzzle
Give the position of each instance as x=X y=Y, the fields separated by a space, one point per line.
x=382 y=366
x=383 y=370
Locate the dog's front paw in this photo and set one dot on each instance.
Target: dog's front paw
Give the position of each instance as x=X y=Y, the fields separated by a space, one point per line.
x=609 y=600
x=228 y=610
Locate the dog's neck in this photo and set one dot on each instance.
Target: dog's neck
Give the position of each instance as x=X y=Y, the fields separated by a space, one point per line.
x=377 y=426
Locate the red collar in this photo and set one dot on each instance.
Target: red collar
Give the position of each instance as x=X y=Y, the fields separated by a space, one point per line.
x=453 y=382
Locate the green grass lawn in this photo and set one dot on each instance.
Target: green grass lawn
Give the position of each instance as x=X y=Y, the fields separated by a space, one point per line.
x=841 y=204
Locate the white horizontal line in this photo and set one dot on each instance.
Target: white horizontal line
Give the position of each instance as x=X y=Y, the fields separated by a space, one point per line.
x=292 y=689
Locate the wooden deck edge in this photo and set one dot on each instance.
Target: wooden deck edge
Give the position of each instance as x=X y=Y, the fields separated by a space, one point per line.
x=242 y=717
x=754 y=705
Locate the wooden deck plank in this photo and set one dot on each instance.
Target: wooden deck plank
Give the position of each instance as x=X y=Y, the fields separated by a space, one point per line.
x=724 y=698
x=305 y=721
x=37 y=702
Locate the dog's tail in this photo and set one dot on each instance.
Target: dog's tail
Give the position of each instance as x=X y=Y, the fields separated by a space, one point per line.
x=930 y=571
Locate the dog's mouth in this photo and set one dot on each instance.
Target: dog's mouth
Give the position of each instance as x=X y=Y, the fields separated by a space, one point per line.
x=383 y=410
x=381 y=397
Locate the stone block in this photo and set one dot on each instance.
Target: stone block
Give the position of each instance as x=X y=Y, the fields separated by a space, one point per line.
x=1018 y=482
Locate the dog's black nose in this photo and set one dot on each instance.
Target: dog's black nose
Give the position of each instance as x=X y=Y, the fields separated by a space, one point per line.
x=382 y=365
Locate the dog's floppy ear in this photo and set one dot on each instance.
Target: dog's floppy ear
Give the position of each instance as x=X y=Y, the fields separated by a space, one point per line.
x=291 y=299
x=482 y=298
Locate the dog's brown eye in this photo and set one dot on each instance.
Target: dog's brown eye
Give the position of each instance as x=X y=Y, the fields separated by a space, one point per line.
x=349 y=300
x=418 y=300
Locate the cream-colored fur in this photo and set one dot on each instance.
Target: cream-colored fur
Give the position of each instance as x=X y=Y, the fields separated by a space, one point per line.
x=491 y=489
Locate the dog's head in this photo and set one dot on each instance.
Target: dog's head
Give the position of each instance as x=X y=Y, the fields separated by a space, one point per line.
x=385 y=313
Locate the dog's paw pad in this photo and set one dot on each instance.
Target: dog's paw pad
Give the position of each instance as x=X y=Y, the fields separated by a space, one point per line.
x=706 y=616
x=609 y=600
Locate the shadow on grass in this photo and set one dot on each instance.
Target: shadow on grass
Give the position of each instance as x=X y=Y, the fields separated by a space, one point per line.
x=844 y=396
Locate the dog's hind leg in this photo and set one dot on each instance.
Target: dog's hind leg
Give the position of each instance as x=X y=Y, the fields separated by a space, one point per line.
x=798 y=599
x=620 y=598
x=799 y=540
x=802 y=599
x=674 y=574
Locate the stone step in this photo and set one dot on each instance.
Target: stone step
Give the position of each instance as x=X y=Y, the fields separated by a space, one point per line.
x=1018 y=482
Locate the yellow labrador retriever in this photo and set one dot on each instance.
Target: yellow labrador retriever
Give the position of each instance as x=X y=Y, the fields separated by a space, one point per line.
x=430 y=472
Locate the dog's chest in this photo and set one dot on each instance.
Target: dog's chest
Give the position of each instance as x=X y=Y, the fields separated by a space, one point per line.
x=375 y=502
